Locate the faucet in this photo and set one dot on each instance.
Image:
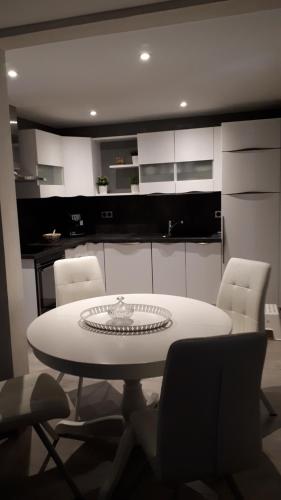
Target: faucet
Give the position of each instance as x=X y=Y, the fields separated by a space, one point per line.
x=171 y=226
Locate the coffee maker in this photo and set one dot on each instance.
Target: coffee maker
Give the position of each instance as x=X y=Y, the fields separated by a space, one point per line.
x=76 y=225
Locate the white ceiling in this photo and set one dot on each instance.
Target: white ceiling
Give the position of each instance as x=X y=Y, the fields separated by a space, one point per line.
x=14 y=13
x=217 y=65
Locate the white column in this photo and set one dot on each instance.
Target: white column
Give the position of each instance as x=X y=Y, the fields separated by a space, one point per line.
x=11 y=286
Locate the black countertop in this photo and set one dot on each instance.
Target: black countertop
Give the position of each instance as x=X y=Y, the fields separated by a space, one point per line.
x=42 y=250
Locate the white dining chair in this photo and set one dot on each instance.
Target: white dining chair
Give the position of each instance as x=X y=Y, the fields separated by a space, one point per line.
x=76 y=279
x=242 y=296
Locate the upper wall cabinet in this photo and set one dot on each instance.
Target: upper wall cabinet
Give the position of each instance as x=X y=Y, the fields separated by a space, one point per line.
x=41 y=158
x=251 y=134
x=49 y=148
x=251 y=171
x=156 y=147
x=78 y=166
x=39 y=147
x=194 y=144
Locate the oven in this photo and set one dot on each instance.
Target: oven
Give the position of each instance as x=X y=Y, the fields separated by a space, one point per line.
x=45 y=281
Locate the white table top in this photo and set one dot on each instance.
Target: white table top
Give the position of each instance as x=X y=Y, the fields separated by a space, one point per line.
x=61 y=343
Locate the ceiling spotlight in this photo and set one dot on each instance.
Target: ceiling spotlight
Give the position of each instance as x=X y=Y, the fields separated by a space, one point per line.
x=93 y=112
x=12 y=73
x=145 y=56
x=183 y=104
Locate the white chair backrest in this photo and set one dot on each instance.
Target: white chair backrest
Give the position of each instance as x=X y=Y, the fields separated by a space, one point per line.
x=77 y=279
x=242 y=294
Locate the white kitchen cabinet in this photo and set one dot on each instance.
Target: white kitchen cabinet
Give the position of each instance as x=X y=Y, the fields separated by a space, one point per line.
x=194 y=144
x=156 y=147
x=157 y=187
x=251 y=231
x=95 y=249
x=78 y=166
x=217 y=163
x=168 y=267
x=48 y=148
x=128 y=268
x=251 y=171
x=251 y=134
x=203 y=270
x=41 y=156
x=194 y=185
x=30 y=293
x=39 y=147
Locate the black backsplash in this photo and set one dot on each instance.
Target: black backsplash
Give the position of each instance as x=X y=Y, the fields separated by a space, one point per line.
x=141 y=214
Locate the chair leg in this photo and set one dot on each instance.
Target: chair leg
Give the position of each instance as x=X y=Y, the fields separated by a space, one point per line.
x=48 y=445
x=121 y=458
x=233 y=486
x=78 y=398
x=60 y=377
x=268 y=405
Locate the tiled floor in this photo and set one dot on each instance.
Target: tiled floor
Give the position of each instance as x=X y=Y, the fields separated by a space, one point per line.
x=21 y=458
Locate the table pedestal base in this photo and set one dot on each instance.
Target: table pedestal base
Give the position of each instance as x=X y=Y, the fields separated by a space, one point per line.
x=108 y=426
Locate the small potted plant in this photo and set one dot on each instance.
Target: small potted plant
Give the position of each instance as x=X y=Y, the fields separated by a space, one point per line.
x=135 y=158
x=134 y=183
x=102 y=183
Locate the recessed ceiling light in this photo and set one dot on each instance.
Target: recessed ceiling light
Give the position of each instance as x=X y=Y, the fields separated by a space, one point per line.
x=12 y=73
x=183 y=104
x=145 y=56
x=93 y=112
x=13 y=122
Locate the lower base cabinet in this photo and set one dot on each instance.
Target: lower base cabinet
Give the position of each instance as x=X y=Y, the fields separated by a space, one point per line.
x=95 y=249
x=203 y=271
x=168 y=268
x=128 y=268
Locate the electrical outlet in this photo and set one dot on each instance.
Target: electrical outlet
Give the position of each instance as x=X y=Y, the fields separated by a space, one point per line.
x=107 y=214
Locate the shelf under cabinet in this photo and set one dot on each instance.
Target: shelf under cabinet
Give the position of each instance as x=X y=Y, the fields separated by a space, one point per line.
x=124 y=165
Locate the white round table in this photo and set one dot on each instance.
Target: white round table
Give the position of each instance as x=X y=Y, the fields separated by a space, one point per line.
x=58 y=340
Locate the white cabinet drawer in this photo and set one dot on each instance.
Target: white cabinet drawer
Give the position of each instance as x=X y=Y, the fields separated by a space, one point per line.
x=251 y=171
x=48 y=190
x=157 y=187
x=194 y=144
x=128 y=268
x=156 y=147
x=251 y=134
x=195 y=185
x=203 y=271
x=168 y=264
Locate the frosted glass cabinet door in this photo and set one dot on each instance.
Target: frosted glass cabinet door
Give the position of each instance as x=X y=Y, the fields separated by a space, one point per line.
x=251 y=231
x=156 y=147
x=251 y=171
x=251 y=134
x=194 y=144
x=49 y=150
x=168 y=264
x=203 y=271
x=128 y=268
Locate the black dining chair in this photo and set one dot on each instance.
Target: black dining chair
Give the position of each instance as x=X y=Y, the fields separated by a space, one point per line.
x=207 y=426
